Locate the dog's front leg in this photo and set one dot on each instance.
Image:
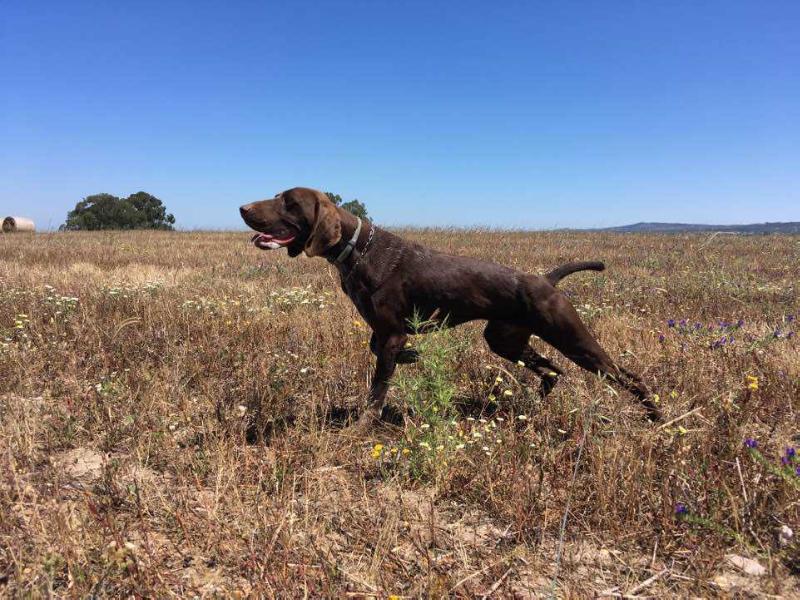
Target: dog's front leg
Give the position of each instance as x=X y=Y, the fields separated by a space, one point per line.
x=405 y=356
x=386 y=348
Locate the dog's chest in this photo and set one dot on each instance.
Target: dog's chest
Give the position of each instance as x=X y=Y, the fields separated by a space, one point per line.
x=360 y=297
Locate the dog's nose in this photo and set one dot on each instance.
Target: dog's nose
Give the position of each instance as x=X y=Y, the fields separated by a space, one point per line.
x=243 y=210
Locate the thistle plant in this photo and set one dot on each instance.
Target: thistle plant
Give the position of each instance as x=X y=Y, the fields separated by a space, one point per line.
x=428 y=391
x=788 y=468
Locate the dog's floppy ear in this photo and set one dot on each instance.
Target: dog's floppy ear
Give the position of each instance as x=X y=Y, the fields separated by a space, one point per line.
x=326 y=230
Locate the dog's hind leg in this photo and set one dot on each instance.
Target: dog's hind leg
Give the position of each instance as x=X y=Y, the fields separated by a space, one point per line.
x=510 y=341
x=634 y=384
x=626 y=379
x=560 y=326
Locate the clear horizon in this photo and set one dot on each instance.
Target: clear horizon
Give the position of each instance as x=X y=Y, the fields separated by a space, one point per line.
x=399 y=226
x=520 y=116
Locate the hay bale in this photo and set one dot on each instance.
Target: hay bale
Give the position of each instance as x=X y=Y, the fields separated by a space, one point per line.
x=16 y=224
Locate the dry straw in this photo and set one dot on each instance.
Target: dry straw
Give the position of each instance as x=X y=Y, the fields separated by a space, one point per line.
x=16 y=224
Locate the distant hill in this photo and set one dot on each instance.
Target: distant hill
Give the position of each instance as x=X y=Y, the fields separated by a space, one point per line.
x=753 y=228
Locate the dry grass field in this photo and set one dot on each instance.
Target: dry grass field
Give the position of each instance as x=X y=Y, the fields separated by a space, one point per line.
x=173 y=411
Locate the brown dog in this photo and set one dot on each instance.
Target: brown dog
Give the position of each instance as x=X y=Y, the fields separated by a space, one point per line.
x=390 y=279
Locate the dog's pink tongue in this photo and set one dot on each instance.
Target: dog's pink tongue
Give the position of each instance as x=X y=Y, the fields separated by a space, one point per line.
x=266 y=241
x=263 y=241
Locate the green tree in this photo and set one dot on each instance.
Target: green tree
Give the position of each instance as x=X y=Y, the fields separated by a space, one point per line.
x=106 y=211
x=335 y=198
x=152 y=212
x=354 y=206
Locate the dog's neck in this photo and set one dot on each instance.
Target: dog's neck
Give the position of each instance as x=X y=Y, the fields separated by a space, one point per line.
x=349 y=225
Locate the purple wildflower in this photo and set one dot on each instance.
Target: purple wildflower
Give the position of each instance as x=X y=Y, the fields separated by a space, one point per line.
x=789 y=318
x=681 y=510
x=777 y=333
x=791 y=452
x=661 y=337
x=698 y=326
x=683 y=323
x=797 y=471
x=740 y=323
x=751 y=443
x=671 y=323
x=790 y=335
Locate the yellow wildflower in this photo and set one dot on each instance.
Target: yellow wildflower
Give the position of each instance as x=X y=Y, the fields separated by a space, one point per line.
x=752 y=382
x=376 y=451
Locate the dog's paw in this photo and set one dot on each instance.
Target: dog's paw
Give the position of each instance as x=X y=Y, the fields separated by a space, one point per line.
x=366 y=421
x=653 y=412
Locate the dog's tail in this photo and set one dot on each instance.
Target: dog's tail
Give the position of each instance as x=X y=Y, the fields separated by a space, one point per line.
x=559 y=273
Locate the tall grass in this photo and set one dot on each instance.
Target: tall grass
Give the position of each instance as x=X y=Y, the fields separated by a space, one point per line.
x=172 y=409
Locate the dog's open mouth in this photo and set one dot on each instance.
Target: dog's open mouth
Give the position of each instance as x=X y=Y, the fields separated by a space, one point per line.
x=265 y=241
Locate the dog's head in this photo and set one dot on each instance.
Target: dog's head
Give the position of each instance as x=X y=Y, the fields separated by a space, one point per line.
x=298 y=219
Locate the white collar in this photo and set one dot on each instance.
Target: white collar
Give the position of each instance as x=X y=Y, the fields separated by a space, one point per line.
x=350 y=245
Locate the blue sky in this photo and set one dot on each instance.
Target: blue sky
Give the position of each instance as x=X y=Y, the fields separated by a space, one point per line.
x=514 y=114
